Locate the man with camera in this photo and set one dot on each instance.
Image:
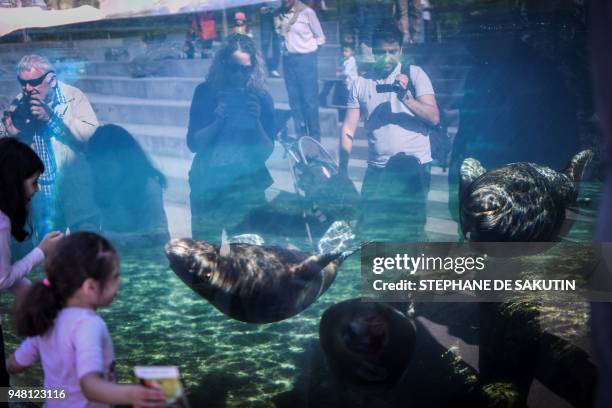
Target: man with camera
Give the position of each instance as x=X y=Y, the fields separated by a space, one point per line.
x=400 y=107
x=57 y=120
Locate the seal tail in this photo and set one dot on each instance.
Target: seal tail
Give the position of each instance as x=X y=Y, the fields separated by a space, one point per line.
x=338 y=238
x=575 y=168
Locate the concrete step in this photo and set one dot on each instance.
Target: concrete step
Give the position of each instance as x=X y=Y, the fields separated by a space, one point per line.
x=439 y=224
x=196 y=68
x=437 y=68
x=167 y=146
x=182 y=88
x=171 y=141
x=166 y=112
x=177 y=168
x=174 y=88
x=80 y=50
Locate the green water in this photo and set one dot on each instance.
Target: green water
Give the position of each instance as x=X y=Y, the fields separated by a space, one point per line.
x=156 y=319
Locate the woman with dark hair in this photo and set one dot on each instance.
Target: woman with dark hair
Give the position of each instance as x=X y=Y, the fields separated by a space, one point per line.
x=231 y=132
x=128 y=189
x=20 y=168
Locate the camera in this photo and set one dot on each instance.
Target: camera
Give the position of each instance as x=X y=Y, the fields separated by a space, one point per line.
x=394 y=87
x=22 y=115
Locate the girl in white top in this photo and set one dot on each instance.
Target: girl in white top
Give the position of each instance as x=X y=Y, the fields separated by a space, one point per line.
x=64 y=332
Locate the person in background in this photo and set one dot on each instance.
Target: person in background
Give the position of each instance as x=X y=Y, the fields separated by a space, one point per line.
x=369 y=14
x=58 y=316
x=428 y=29
x=319 y=5
x=128 y=189
x=57 y=120
x=20 y=169
x=240 y=24
x=270 y=42
x=397 y=122
x=231 y=131
x=302 y=35
x=349 y=65
x=410 y=20
x=204 y=24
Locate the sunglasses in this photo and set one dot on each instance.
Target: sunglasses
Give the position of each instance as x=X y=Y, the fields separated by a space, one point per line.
x=245 y=69
x=33 y=82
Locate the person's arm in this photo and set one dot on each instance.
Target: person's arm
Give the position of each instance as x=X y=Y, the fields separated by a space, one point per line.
x=423 y=104
x=10 y=274
x=349 y=126
x=267 y=119
x=13 y=367
x=79 y=122
x=76 y=124
x=26 y=355
x=425 y=107
x=95 y=388
x=89 y=337
x=315 y=26
x=205 y=119
x=261 y=107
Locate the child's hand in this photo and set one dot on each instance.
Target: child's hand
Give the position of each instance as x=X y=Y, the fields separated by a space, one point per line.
x=143 y=397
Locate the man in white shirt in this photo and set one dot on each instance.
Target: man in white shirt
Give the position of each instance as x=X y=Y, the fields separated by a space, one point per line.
x=302 y=35
x=397 y=124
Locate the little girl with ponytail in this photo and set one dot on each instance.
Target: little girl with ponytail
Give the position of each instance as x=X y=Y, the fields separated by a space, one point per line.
x=64 y=331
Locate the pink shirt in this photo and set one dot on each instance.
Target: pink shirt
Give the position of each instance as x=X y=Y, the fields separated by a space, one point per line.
x=78 y=344
x=12 y=275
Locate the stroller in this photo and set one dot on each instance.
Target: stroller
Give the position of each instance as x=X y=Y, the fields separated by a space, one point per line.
x=326 y=196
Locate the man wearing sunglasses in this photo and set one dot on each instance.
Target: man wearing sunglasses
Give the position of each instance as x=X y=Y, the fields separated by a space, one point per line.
x=57 y=120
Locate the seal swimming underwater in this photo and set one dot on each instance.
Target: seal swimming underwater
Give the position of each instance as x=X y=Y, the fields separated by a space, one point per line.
x=367 y=344
x=254 y=283
x=519 y=202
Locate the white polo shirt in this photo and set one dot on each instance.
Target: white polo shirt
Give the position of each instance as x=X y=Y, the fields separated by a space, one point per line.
x=391 y=127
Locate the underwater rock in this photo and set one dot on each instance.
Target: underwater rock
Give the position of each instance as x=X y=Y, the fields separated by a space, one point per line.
x=254 y=283
x=519 y=202
x=367 y=344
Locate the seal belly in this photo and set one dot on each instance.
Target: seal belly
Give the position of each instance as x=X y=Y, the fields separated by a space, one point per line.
x=254 y=284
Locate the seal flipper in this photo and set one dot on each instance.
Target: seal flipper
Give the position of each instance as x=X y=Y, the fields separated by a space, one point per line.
x=337 y=238
x=315 y=263
x=224 y=249
x=575 y=168
x=470 y=170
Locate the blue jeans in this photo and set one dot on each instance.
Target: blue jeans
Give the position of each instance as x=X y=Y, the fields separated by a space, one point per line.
x=394 y=201
x=302 y=82
x=270 y=42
